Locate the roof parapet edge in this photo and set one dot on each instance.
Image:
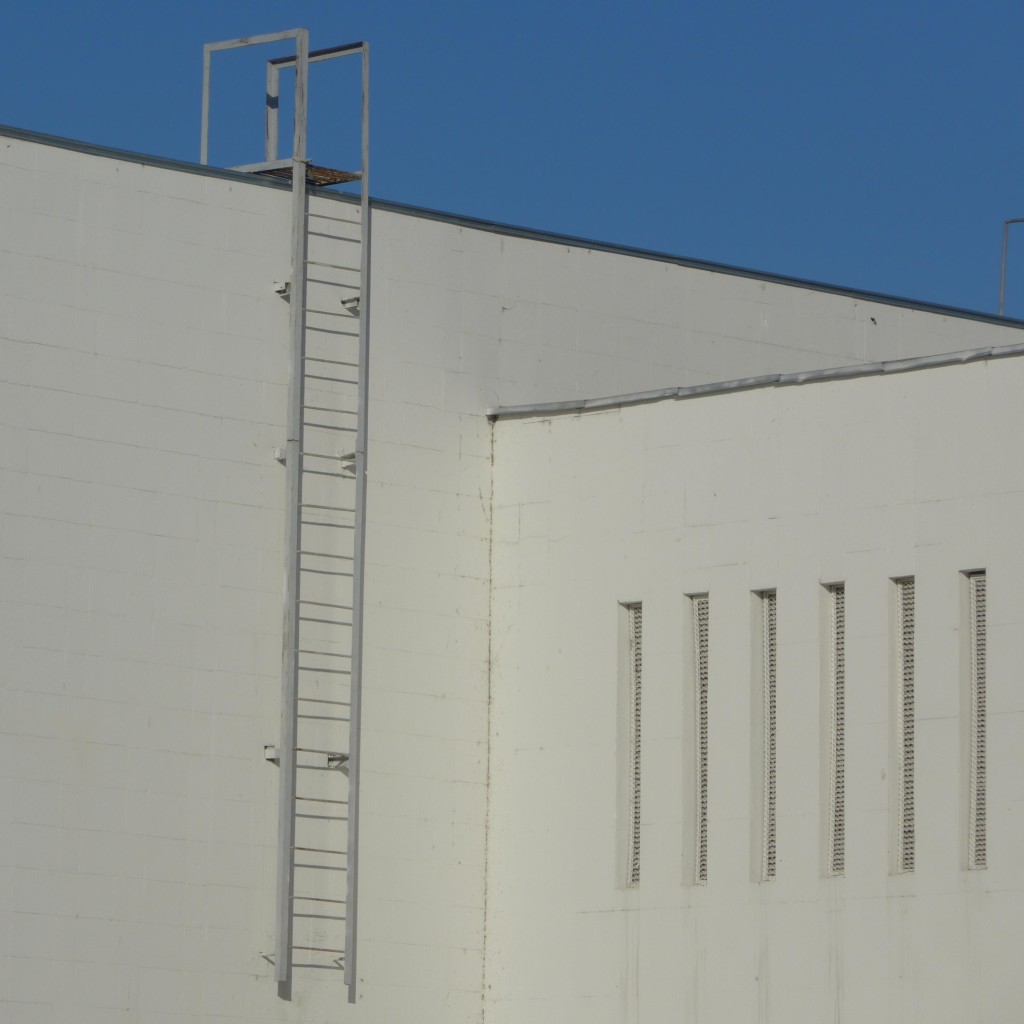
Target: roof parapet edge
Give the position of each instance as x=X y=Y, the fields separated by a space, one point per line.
x=511 y=230
x=166 y=162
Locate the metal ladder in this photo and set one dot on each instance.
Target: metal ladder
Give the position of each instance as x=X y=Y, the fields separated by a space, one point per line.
x=325 y=463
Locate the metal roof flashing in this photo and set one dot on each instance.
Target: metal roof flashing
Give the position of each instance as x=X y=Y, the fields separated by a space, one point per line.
x=511 y=230
x=772 y=380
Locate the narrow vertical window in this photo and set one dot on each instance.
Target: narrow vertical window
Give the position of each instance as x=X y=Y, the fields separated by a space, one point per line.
x=700 y=653
x=976 y=838
x=634 y=617
x=768 y=663
x=837 y=730
x=905 y=724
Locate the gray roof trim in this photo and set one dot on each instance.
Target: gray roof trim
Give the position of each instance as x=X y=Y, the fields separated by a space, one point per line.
x=166 y=162
x=772 y=380
x=511 y=230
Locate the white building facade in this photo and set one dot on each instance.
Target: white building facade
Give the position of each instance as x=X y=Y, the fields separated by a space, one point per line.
x=143 y=387
x=799 y=602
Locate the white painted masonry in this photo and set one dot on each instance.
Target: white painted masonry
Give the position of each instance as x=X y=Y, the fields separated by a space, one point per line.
x=143 y=374
x=788 y=489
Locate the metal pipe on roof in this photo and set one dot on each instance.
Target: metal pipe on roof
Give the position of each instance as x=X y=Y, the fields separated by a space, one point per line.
x=1002 y=272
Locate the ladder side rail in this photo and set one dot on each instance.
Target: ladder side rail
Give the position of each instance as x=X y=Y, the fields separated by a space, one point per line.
x=204 y=142
x=274 y=66
x=359 y=549
x=327 y=53
x=298 y=34
x=293 y=465
x=267 y=37
x=273 y=99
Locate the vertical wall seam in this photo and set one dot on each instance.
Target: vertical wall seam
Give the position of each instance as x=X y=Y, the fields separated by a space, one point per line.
x=489 y=744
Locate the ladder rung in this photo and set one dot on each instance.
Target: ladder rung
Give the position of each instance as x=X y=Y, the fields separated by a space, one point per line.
x=326 y=312
x=340 y=220
x=319 y=800
x=326 y=671
x=333 y=380
x=327 y=408
x=324 y=572
x=332 y=330
x=321 y=554
x=323 y=700
x=325 y=622
x=335 y=238
x=329 y=508
x=324 y=472
x=318 y=899
x=328 y=426
x=318 y=849
x=328 y=526
x=333 y=362
x=325 y=604
x=326 y=282
x=355 y=239
x=330 y=266
x=318 y=949
x=323 y=654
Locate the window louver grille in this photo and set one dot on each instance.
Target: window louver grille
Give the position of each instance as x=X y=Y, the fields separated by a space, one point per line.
x=768 y=669
x=700 y=647
x=905 y=644
x=837 y=760
x=635 y=677
x=976 y=811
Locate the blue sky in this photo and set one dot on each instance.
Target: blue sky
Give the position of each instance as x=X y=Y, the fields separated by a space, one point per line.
x=876 y=145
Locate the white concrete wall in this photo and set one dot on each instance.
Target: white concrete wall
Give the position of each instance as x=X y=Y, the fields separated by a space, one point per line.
x=500 y=320
x=144 y=364
x=857 y=481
